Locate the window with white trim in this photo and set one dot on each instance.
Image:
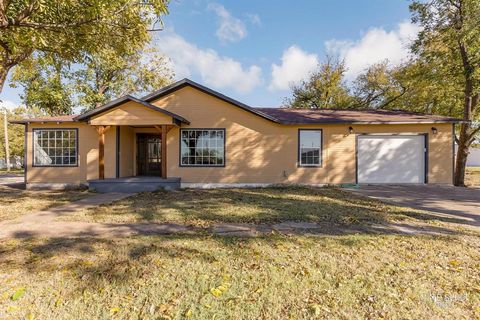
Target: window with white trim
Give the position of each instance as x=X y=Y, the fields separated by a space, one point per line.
x=310 y=148
x=202 y=147
x=55 y=147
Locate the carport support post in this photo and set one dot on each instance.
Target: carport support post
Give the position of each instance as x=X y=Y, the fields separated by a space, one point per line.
x=101 y=151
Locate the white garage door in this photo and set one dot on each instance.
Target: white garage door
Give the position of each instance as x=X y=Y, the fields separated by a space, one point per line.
x=391 y=159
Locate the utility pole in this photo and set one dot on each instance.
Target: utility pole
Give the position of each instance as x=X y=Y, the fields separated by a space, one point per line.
x=7 y=148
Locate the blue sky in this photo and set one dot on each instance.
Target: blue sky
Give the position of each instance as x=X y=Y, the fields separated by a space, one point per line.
x=254 y=50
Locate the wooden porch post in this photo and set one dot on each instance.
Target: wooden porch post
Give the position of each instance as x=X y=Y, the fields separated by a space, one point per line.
x=164 y=151
x=101 y=151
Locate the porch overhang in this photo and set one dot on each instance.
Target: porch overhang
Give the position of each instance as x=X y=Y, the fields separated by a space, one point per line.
x=133 y=112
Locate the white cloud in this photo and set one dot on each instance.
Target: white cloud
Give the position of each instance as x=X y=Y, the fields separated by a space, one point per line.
x=296 y=65
x=214 y=70
x=230 y=29
x=10 y=105
x=375 y=46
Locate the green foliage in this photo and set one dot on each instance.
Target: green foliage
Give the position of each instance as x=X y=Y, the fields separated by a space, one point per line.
x=413 y=86
x=56 y=86
x=449 y=44
x=450 y=41
x=15 y=131
x=45 y=87
x=325 y=88
x=108 y=75
x=73 y=28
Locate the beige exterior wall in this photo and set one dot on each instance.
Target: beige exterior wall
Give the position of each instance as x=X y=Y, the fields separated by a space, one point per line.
x=87 y=157
x=257 y=150
x=261 y=151
x=131 y=114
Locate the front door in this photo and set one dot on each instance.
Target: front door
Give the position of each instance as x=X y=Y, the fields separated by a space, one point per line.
x=149 y=158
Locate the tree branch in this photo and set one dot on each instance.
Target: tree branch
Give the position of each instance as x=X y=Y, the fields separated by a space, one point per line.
x=471 y=135
x=404 y=90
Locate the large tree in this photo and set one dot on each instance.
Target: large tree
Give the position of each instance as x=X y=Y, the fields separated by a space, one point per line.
x=412 y=85
x=450 y=41
x=324 y=88
x=45 y=86
x=73 y=28
x=56 y=86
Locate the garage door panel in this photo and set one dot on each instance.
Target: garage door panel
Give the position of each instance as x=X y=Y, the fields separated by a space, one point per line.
x=391 y=159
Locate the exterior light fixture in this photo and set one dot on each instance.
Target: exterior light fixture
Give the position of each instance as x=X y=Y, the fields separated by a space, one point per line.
x=350 y=130
x=434 y=130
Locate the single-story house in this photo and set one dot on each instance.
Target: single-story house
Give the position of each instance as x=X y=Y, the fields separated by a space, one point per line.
x=191 y=136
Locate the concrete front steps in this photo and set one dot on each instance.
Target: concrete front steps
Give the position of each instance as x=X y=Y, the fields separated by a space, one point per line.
x=133 y=184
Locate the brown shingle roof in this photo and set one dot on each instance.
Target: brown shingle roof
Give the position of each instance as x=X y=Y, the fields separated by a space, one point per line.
x=326 y=116
x=314 y=116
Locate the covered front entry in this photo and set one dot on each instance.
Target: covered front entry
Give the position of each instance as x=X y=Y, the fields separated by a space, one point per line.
x=149 y=154
x=128 y=115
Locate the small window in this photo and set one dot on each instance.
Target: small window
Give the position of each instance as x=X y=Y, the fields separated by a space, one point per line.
x=202 y=147
x=310 y=148
x=54 y=147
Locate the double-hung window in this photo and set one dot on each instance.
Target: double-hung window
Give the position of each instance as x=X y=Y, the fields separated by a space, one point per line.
x=310 y=148
x=202 y=147
x=55 y=147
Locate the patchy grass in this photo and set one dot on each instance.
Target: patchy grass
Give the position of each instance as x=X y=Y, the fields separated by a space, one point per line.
x=262 y=205
x=12 y=171
x=472 y=176
x=15 y=203
x=276 y=277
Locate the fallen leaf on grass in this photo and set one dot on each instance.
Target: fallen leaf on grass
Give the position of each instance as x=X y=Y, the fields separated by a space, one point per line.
x=216 y=292
x=189 y=313
x=58 y=302
x=315 y=309
x=454 y=263
x=18 y=294
x=12 y=308
x=114 y=310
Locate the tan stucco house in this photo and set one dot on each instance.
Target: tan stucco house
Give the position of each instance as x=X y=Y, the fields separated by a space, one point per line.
x=189 y=135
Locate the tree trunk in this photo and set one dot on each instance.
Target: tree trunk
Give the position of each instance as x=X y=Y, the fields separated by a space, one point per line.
x=3 y=76
x=462 y=154
x=7 y=148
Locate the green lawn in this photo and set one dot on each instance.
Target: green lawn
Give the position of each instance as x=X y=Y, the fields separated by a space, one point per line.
x=12 y=171
x=275 y=277
x=203 y=276
x=262 y=205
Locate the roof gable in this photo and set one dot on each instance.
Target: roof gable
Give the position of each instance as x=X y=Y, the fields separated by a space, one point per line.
x=123 y=100
x=187 y=82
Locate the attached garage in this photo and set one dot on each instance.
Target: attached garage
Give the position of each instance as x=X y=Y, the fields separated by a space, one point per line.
x=391 y=158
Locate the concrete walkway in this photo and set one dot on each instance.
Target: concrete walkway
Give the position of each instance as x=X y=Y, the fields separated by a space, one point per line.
x=61 y=229
x=12 y=179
